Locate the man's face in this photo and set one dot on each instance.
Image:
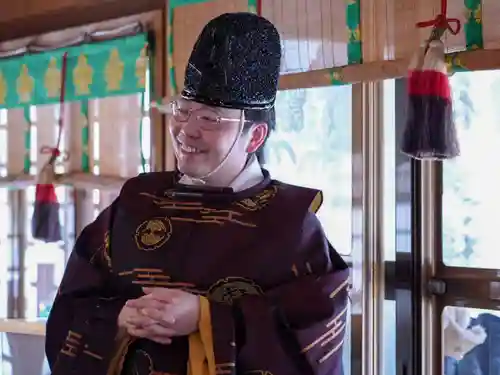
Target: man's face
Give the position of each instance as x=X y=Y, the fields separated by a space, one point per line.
x=203 y=135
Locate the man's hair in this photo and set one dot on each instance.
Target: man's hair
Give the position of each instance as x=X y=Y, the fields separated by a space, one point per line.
x=254 y=116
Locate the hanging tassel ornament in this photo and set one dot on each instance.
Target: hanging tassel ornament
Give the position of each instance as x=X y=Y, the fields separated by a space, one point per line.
x=430 y=132
x=45 y=223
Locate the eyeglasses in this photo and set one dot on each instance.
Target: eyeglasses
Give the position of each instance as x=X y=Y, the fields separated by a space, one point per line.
x=204 y=115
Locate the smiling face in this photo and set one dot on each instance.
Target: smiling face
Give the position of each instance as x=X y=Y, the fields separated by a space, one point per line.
x=203 y=135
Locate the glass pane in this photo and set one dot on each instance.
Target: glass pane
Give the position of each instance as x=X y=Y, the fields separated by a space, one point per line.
x=470 y=341
x=44 y=270
x=3 y=146
x=389 y=183
x=312 y=146
x=3 y=116
x=4 y=250
x=95 y=136
x=45 y=262
x=389 y=338
x=30 y=194
x=471 y=201
x=34 y=147
x=146 y=139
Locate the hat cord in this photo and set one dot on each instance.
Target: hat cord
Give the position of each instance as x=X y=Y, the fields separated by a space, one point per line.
x=202 y=180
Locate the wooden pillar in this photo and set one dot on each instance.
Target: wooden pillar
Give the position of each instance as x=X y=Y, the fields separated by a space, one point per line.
x=161 y=155
x=75 y=121
x=16 y=127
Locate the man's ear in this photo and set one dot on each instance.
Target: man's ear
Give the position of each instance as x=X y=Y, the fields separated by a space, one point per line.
x=258 y=134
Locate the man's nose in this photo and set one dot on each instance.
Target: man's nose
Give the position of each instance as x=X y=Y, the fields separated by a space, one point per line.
x=190 y=129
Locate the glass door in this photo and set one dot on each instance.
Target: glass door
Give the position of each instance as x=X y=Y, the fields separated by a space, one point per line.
x=466 y=282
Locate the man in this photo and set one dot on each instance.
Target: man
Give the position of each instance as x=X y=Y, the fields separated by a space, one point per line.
x=217 y=269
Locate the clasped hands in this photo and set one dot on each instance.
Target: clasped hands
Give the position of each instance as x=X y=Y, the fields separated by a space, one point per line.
x=161 y=314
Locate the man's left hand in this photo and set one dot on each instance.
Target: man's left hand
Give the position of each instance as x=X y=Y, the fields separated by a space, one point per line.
x=175 y=310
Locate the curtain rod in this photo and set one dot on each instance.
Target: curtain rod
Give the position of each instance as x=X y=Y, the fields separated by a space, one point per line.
x=87 y=37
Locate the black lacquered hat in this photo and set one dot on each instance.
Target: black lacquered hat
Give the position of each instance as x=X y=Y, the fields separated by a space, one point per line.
x=235 y=63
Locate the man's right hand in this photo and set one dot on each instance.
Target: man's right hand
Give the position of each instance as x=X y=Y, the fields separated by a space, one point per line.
x=136 y=324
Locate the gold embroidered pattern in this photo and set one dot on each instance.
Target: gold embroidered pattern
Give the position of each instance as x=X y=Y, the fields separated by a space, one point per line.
x=144 y=359
x=260 y=201
x=92 y=354
x=153 y=234
x=214 y=216
x=114 y=71
x=82 y=76
x=141 y=66
x=53 y=79
x=101 y=256
x=225 y=368
x=229 y=289
x=154 y=277
x=344 y=285
x=72 y=343
x=206 y=215
x=335 y=328
x=25 y=85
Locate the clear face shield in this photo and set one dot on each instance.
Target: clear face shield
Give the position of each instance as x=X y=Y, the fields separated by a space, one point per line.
x=204 y=118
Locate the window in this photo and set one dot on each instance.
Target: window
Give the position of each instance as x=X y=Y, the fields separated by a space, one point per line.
x=4 y=217
x=312 y=147
x=45 y=262
x=471 y=182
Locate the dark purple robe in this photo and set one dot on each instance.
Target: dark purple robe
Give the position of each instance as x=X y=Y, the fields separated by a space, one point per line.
x=278 y=291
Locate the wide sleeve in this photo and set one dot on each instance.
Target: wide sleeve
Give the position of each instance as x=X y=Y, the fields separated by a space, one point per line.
x=84 y=303
x=297 y=327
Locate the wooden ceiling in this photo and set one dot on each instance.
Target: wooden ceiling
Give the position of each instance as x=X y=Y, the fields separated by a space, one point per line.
x=24 y=18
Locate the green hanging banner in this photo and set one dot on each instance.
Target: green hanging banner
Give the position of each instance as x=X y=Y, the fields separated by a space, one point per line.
x=27 y=140
x=474 y=25
x=95 y=70
x=170 y=51
x=253 y=6
x=353 y=20
x=84 y=112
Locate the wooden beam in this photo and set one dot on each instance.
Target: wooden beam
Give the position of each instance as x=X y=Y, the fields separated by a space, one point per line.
x=72 y=16
x=380 y=70
x=76 y=179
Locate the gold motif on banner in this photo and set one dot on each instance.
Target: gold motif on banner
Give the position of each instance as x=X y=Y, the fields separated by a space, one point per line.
x=25 y=85
x=3 y=88
x=153 y=234
x=141 y=66
x=114 y=71
x=259 y=201
x=355 y=34
x=229 y=289
x=82 y=76
x=53 y=79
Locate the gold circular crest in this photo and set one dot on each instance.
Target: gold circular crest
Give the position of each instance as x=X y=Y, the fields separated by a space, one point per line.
x=153 y=233
x=229 y=289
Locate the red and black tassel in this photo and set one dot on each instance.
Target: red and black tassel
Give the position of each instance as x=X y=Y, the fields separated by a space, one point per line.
x=430 y=129
x=45 y=223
